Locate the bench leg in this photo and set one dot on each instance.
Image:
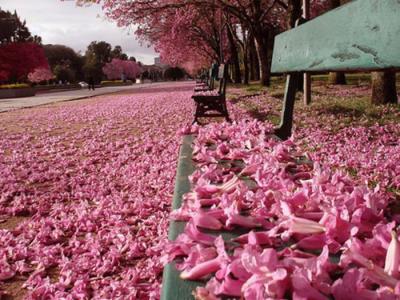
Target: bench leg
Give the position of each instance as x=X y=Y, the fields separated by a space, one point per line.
x=225 y=111
x=196 y=114
x=199 y=113
x=284 y=131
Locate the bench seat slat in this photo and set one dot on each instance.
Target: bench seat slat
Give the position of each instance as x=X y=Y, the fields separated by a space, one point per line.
x=363 y=35
x=172 y=286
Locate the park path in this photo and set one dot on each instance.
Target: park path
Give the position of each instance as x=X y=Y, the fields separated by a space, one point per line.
x=85 y=192
x=9 y=104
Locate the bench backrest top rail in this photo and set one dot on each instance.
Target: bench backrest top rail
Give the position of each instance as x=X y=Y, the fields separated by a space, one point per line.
x=223 y=77
x=363 y=35
x=221 y=71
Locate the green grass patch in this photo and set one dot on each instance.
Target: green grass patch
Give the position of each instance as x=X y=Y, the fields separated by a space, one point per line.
x=274 y=119
x=355 y=78
x=14 y=86
x=348 y=104
x=255 y=88
x=116 y=82
x=277 y=94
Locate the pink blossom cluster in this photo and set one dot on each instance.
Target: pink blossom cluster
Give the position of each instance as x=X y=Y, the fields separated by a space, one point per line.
x=94 y=180
x=40 y=74
x=290 y=228
x=118 y=68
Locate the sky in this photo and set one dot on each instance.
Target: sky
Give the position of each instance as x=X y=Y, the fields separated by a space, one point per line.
x=62 y=22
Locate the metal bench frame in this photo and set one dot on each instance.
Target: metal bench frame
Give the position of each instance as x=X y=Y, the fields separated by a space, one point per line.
x=213 y=105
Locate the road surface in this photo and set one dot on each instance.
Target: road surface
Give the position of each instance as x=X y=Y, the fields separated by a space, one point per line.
x=9 y=104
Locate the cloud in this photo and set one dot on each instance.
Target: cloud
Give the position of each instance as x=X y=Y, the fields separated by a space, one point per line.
x=62 y=22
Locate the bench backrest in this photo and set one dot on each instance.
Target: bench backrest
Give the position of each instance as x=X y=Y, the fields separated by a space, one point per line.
x=363 y=35
x=210 y=78
x=223 y=77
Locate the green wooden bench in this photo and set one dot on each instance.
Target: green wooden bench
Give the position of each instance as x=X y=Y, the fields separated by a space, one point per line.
x=202 y=78
x=207 y=84
x=363 y=35
x=213 y=105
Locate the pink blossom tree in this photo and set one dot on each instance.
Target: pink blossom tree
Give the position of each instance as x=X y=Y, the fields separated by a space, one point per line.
x=181 y=31
x=197 y=34
x=118 y=68
x=40 y=74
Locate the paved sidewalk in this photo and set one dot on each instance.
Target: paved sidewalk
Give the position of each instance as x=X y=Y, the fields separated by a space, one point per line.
x=46 y=98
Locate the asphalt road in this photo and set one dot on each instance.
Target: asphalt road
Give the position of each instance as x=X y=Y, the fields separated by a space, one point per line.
x=9 y=104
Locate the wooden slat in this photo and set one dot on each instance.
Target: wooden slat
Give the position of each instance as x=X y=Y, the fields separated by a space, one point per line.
x=173 y=287
x=361 y=35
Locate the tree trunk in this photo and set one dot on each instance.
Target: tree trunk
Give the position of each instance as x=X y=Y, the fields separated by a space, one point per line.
x=245 y=45
x=261 y=39
x=294 y=12
x=383 y=87
x=237 y=76
x=337 y=77
x=254 y=64
x=246 y=65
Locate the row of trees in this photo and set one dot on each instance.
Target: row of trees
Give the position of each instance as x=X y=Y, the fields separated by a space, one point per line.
x=193 y=33
x=24 y=58
x=100 y=61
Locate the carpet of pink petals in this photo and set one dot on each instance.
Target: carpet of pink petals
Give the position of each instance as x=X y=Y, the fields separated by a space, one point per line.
x=369 y=151
x=372 y=152
x=314 y=231
x=94 y=180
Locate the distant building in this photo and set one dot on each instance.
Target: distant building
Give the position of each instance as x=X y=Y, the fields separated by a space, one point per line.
x=153 y=72
x=158 y=62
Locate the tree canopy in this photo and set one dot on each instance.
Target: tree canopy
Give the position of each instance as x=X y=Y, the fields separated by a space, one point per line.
x=65 y=63
x=12 y=29
x=188 y=32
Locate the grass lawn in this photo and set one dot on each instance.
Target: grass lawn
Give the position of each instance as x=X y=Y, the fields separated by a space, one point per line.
x=338 y=126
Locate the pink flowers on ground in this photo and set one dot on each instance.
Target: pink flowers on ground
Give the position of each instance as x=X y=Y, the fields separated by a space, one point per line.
x=376 y=147
x=302 y=220
x=304 y=226
x=95 y=179
x=392 y=262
